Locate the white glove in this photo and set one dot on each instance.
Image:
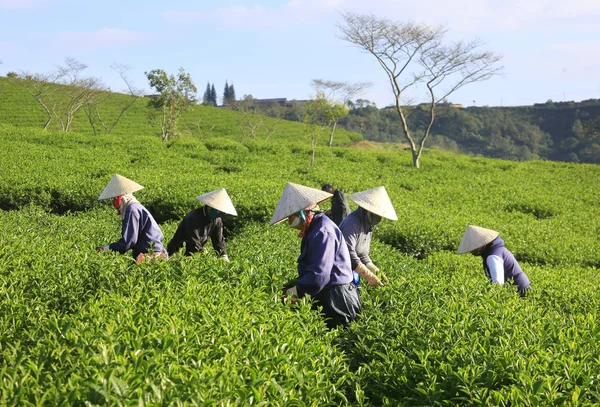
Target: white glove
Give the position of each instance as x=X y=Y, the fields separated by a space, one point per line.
x=103 y=248
x=224 y=258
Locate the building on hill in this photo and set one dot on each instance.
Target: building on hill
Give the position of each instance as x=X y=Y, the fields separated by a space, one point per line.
x=279 y=101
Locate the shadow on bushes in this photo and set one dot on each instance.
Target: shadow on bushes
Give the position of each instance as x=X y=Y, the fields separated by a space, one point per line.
x=416 y=245
x=530 y=209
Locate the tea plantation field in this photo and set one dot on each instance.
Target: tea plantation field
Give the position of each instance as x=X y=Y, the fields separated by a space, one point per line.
x=84 y=328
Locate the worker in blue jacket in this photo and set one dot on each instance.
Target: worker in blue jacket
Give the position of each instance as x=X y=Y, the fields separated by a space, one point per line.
x=324 y=263
x=140 y=232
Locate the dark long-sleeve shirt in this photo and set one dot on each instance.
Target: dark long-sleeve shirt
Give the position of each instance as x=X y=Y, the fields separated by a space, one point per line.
x=194 y=230
x=357 y=232
x=140 y=232
x=339 y=207
x=324 y=260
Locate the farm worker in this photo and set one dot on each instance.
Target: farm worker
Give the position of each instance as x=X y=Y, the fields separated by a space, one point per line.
x=373 y=205
x=140 y=231
x=204 y=222
x=324 y=263
x=339 y=205
x=499 y=264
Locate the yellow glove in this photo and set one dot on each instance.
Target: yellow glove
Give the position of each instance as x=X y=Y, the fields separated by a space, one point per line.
x=375 y=270
x=365 y=273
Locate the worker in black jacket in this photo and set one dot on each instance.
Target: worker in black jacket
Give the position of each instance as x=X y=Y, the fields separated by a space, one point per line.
x=339 y=205
x=203 y=223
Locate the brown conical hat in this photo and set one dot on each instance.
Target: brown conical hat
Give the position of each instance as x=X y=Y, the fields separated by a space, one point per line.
x=119 y=185
x=376 y=201
x=219 y=200
x=474 y=238
x=296 y=197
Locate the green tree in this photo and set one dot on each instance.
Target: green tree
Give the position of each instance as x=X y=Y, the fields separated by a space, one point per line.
x=207 y=98
x=213 y=95
x=231 y=94
x=175 y=94
x=228 y=95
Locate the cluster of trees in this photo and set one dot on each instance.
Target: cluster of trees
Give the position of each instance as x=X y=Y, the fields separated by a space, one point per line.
x=210 y=95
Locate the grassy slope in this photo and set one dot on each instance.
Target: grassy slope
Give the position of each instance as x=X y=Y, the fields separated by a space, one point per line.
x=18 y=108
x=81 y=326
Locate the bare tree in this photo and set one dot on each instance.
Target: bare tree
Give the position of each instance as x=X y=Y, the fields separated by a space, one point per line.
x=92 y=109
x=276 y=112
x=76 y=91
x=249 y=120
x=338 y=95
x=202 y=132
x=41 y=87
x=414 y=55
x=318 y=116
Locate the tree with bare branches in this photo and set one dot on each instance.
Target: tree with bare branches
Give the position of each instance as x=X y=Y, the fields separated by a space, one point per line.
x=76 y=91
x=318 y=116
x=415 y=55
x=41 y=87
x=338 y=95
x=92 y=109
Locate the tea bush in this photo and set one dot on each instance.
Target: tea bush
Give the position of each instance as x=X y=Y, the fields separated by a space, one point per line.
x=80 y=327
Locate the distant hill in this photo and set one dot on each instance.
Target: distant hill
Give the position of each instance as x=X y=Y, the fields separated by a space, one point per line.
x=565 y=131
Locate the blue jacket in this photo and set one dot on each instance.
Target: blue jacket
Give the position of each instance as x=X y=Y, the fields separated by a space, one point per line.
x=140 y=232
x=324 y=260
x=512 y=270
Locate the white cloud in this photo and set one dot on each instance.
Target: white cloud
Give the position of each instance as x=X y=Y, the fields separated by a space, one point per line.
x=22 y=5
x=488 y=15
x=292 y=12
x=77 y=41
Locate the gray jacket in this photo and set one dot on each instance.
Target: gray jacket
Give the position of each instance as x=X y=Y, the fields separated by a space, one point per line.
x=357 y=232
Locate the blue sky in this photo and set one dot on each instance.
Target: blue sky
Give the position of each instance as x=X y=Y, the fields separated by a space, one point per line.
x=274 y=48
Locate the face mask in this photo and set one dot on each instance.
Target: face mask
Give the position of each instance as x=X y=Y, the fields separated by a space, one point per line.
x=213 y=213
x=374 y=219
x=299 y=219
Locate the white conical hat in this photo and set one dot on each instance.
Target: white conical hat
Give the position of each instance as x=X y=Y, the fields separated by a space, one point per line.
x=474 y=238
x=296 y=197
x=219 y=200
x=376 y=201
x=119 y=185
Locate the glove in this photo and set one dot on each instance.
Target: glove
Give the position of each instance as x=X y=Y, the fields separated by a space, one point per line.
x=292 y=293
x=375 y=270
x=224 y=258
x=102 y=248
x=371 y=278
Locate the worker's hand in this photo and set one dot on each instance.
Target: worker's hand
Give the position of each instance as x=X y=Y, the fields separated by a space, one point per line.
x=102 y=248
x=224 y=258
x=368 y=275
x=380 y=274
x=292 y=294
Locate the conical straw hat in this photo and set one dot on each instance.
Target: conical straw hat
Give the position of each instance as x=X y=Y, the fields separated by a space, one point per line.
x=219 y=200
x=376 y=201
x=296 y=197
x=119 y=185
x=474 y=238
